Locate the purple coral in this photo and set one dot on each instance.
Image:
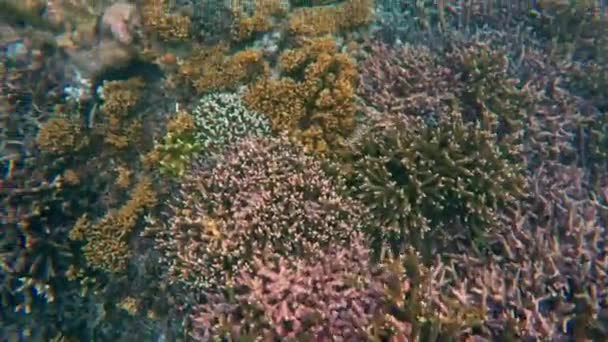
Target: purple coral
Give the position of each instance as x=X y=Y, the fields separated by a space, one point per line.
x=549 y=277
x=264 y=196
x=335 y=293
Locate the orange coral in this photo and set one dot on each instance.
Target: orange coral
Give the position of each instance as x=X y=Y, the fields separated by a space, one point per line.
x=120 y=98
x=316 y=102
x=157 y=20
x=60 y=135
x=330 y=19
x=107 y=240
x=245 y=26
x=211 y=69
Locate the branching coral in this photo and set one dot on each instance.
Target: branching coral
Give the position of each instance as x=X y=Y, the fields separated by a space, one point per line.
x=262 y=196
x=222 y=119
x=107 y=241
x=419 y=180
x=212 y=69
x=175 y=151
x=157 y=19
x=60 y=135
x=315 y=100
x=470 y=77
x=120 y=123
x=261 y=20
x=548 y=277
x=318 y=21
x=338 y=292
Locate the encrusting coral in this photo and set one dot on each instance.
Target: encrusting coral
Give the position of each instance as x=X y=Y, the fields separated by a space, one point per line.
x=263 y=195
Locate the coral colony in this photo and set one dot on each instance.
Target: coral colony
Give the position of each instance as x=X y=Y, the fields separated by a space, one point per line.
x=282 y=170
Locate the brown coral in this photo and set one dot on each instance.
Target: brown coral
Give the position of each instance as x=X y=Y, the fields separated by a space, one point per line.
x=314 y=101
x=107 y=241
x=60 y=135
x=318 y=21
x=212 y=69
x=157 y=20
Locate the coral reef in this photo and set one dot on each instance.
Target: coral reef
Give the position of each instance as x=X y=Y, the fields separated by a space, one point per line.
x=262 y=196
x=222 y=119
x=158 y=21
x=314 y=100
x=107 y=241
x=178 y=147
x=337 y=292
x=431 y=184
x=321 y=20
x=547 y=276
x=212 y=69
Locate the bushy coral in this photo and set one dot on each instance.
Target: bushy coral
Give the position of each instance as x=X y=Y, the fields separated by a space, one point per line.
x=213 y=69
x=222 y=119
x=107 y=240
x=314 y=101
x=422 y=180
x=337 y=292
x=61 y=134
x=262 y=196
x=547 y=276
x=321 y=20
x=178 y=147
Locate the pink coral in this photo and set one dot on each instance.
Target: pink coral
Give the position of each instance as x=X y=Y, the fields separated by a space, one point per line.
x=121 y=18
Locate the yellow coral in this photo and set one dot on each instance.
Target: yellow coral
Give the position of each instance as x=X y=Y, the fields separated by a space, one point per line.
x=60 y=135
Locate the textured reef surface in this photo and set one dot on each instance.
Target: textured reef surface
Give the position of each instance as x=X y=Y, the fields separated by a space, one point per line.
x=282 y=170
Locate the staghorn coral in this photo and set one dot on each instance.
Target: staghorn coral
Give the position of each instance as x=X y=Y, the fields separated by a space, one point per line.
x=338 y=292
x=107 y=240
x=547 y=276
x=120 y=123
x=469 y=76
x=222 y=119
x=314 y=101
x=211 y=69
x=262 y=195
x=157 y=20
x=426 y=183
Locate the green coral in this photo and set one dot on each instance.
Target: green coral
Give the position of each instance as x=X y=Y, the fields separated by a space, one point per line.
x=425 y=182
x=179 y=145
